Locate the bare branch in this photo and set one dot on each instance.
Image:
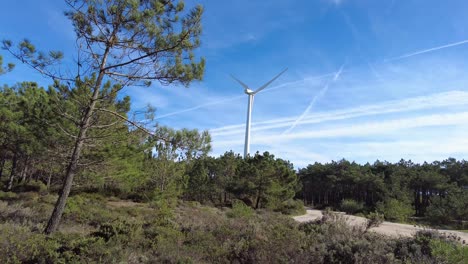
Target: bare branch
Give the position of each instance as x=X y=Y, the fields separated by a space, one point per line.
x=104 y=126
x=126 y=120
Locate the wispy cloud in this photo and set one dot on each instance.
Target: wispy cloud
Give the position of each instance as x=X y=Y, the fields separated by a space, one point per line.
x=312 y=102
x=434 y=101
x=228 y=99
x=200 y=106
x=336 y=2
x=361 y=129
x=427 y=50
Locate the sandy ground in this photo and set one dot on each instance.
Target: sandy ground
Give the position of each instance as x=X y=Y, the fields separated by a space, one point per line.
x=386 y=228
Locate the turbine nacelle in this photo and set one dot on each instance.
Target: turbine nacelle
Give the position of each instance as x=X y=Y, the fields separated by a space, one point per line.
x=249 y=91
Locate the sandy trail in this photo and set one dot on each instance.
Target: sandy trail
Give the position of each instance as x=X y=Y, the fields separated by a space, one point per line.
x=386 y=228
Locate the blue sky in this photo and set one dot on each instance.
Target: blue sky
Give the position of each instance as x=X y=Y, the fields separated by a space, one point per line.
x=367 y=79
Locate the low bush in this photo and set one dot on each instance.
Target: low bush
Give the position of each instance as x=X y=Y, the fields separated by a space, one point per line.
x=351 y=206
x=32 y=186
x=240 y=209
x=19 y=245
x=8 y=196
x=15 y=213
x=119 y=229
x=447 y=252
x=292 y=207
x=87 y=209
x=395 y=210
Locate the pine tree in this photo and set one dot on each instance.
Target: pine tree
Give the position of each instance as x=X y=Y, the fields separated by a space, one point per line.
x=131 y=42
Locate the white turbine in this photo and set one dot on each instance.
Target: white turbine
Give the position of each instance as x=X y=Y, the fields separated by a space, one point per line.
x=251 y=94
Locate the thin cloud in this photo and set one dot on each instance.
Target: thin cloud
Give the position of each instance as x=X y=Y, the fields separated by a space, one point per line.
x=336 y=2
x=240 y=96
x=200 y=106
x=427 y=50
x=446 y=99
x=311 y=104
x=360 y=129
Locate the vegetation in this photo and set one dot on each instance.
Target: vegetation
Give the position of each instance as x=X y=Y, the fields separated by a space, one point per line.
x=96 y=228
x=7 y=68
x=437 y=191
x=128 y=42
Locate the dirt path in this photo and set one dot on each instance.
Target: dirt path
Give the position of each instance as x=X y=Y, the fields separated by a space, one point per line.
x=386 y=228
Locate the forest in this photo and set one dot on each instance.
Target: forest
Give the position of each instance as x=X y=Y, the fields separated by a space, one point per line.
x=84 y=178
x=435 y=191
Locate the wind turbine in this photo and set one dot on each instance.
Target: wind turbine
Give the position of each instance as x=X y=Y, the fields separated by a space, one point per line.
x=251 y=93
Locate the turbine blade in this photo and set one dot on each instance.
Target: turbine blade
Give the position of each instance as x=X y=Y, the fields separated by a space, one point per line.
x=240 y=82
x=268 y=83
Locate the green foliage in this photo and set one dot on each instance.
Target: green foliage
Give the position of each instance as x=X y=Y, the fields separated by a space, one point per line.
x=87 y=209
x=19 y=245
x=33 y=186
x=240 y=210
x=448 y=253
x=351 y=206
x=452 y=207
x=292 y=207
x=9 y=66
x=8 y=196
x=118 y=229
x=395 y=210
x=399 y=190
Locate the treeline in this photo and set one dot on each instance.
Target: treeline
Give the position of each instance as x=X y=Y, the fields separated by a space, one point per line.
x=37 y=129
x=400 y=190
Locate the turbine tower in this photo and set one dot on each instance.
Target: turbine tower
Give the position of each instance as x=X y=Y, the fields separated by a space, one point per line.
x=251 y=93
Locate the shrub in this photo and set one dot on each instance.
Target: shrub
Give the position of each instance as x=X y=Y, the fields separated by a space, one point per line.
x=395 y=210
x=239 y=210
x=292 y=207
x=351 y=206
x=19 y=245
x=448 y=252
x=87 y=209
x=8 y=196
x=374 y=220
x=15 y=212
x=33 y=186
x=120 y=229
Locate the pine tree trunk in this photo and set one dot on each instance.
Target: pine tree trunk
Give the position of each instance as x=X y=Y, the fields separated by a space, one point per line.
x=56 y=216
x=24 y=171
x=49 y=178
x=2 y=165
x=12 y=173
x=257 y=203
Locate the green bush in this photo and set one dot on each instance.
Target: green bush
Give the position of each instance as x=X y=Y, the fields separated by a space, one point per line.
x=291 y=207
x=19 y=245
x=120 y=229
x=395 y=210
x=448 y=252
x=87 y=209
x=351 y=206
x=33 y=186
x=240 y=210
x=8 y=196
